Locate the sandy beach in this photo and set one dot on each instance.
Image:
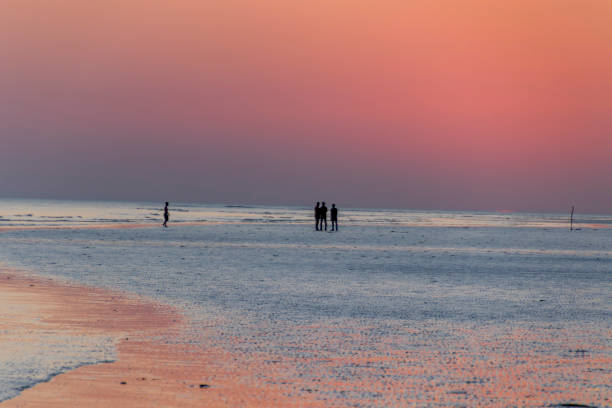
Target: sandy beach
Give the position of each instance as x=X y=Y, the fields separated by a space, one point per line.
x=257 y=314
x=147 y=373
x=152 y=373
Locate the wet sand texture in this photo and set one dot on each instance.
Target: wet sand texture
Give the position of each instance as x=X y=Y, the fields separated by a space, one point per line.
x=148 y=372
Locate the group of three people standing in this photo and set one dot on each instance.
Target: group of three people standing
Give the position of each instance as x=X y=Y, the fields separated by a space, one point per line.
x=320 y=213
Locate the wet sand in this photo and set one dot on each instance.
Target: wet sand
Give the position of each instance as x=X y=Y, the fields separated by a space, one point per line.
x=495 y=364
x=149 y=372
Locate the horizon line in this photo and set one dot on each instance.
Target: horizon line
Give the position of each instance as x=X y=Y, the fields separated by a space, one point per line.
x=243 y=204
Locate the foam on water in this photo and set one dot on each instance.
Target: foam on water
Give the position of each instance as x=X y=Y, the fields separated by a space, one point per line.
x=395 y=304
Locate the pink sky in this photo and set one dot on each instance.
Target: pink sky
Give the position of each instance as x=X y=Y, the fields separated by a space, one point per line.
x=452 y=104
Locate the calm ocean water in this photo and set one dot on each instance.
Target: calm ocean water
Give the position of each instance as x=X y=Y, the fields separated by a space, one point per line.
x=390 y=302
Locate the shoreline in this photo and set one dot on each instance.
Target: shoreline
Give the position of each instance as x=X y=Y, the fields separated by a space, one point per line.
x=149 y=370
x=45 y=304
x=155 y=368
x=158 y=364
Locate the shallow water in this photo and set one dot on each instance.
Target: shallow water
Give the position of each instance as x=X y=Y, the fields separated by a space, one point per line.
x=32 y=212
x=435 y=309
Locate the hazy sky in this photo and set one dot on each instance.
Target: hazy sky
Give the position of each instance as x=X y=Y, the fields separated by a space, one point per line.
x=452 y=104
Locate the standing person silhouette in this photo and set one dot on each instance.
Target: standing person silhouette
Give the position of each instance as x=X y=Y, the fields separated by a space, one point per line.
x=317 y=214
x=334 y=217
x=166 y=216
x=323 y=216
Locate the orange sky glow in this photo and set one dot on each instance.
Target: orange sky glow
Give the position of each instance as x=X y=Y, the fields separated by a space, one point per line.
x=465 y=104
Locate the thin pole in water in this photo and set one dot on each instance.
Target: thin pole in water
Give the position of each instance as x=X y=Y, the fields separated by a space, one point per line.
x=572 y=219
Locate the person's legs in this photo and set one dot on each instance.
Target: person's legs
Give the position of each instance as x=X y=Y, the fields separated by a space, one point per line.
x=316 y=224
x=325 y=219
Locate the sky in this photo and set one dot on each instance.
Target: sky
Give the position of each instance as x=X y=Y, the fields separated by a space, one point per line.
x=444 y=104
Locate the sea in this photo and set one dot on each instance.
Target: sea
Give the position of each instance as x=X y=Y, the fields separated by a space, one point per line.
x=397 y=308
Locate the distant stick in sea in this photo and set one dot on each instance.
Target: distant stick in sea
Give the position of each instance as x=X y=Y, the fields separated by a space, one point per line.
x=572 y=219
x=166 y=216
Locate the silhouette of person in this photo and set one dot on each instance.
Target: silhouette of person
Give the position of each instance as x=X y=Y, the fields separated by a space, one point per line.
x=166 y=215
x=323 y=216
x=334 y=217
x=317 y=215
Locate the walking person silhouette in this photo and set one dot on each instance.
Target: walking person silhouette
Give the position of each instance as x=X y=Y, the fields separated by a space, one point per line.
x=334 y=217
x=317 y=214
x=323 y=216
x=166 y=216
